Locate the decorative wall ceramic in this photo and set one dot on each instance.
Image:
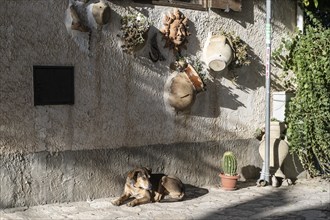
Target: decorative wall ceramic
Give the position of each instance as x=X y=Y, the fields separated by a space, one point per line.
x=175 y=30
x=218 y=52
x=76 y=22
x=182 y=93
x=184 y=88
x=101 y=13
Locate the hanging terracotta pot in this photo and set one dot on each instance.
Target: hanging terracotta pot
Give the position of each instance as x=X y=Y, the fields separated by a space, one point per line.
x=194 y=78
x=182 y=93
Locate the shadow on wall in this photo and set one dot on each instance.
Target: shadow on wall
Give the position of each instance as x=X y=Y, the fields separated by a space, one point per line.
x=251 y=77
x=244 y=17
x=221 y=94
x=39 y=178
x=208 y=104
x=279 y=15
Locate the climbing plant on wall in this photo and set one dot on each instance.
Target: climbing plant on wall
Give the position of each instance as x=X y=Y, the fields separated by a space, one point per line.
x=308 y=117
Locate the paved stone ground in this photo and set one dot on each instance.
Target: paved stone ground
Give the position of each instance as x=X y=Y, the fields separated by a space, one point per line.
x=307 y=199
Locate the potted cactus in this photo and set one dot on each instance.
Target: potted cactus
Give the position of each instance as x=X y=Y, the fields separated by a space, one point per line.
x=229 y=174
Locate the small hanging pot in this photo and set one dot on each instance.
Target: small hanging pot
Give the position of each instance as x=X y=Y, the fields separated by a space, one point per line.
x=218 y=52
x=182 y=93
x=101 y=13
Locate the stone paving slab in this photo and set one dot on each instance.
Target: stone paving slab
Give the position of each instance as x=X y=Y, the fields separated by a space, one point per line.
x=307 y=199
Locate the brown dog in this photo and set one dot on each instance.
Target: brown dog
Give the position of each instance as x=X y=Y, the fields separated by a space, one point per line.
x=146 y=187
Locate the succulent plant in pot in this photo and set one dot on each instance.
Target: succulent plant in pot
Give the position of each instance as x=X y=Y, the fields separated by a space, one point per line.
x=229 y=174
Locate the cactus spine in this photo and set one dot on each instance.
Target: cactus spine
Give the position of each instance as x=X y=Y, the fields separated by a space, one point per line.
x=229 y=163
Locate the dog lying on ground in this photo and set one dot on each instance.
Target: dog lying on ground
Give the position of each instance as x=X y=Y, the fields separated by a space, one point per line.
x=146 y=187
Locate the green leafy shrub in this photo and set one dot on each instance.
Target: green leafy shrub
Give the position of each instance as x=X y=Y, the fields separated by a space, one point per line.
x=308 y=118
x=240 y=49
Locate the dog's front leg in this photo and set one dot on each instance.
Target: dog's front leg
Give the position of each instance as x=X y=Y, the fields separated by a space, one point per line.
x=146 y=198
x=157 y=197
x=138 y=202
x=121 y=199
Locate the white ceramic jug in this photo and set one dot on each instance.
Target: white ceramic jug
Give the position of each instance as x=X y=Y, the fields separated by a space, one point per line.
x=218 y=52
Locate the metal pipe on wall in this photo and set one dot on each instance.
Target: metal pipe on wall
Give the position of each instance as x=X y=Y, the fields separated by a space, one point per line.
x=264 y=176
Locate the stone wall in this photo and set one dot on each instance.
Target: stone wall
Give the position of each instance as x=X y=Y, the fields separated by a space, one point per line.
x=119 y=120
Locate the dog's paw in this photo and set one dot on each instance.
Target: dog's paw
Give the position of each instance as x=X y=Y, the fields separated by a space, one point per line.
x=131 y=204
x=115 y=202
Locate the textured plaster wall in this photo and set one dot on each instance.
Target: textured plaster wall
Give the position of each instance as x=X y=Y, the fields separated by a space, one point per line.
x=119 y=105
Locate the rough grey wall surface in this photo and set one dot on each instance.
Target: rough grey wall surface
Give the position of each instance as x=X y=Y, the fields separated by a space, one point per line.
x=39 y=178
x=119 y=100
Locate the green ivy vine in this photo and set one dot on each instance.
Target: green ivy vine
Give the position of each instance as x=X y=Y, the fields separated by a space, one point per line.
x=308 y=118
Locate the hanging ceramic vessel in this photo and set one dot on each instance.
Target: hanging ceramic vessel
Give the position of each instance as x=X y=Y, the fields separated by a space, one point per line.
x=182 y=93
x=101 y=13
x=194 y=78
x=218 y=52
x=76 y=22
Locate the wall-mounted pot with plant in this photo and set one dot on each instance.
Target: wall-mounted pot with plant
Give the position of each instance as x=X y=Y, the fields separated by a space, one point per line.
x=224 y=50
x=134 y=27
x=185 y=84
x=229 y=176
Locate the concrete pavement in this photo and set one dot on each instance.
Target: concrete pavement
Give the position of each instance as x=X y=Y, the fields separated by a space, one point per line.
x=306 y=199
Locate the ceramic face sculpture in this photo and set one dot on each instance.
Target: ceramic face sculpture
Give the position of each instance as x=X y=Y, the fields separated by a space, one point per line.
x=175 y=30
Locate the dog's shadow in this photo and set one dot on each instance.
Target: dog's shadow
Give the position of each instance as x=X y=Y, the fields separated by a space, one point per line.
x=193 y=192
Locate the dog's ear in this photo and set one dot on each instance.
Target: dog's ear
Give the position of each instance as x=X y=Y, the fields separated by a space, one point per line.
x=149 y=170
x=132 y=176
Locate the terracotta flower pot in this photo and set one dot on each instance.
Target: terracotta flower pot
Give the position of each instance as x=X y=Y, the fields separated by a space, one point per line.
x=182 y=93
x=194 y=78
x=228 y=182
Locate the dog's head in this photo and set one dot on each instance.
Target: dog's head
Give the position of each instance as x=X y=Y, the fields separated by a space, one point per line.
x=140 y=178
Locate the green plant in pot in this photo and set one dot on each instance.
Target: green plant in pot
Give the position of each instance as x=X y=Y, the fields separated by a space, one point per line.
x=134 y=27
x=229 y=174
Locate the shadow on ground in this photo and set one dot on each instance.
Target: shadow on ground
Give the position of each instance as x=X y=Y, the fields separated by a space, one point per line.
x=193 y=192
x=274 y=205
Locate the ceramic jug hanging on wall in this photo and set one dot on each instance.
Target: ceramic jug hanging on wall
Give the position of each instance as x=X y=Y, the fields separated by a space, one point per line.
x=218 y=52
x=101 y=13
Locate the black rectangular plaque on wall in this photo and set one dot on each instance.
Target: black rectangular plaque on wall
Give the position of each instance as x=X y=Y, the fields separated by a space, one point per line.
x=53 y=85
